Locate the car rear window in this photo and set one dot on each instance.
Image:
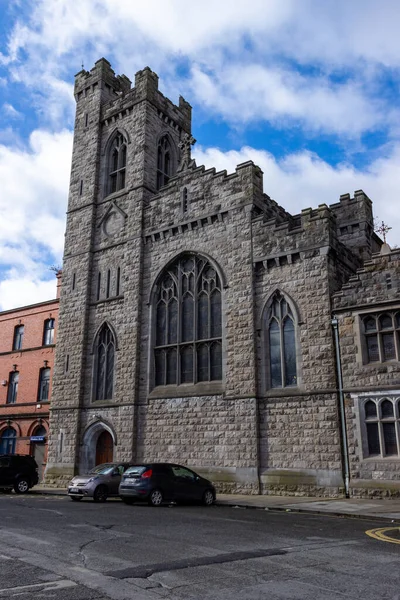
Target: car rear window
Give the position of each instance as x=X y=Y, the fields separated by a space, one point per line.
x=136 y=470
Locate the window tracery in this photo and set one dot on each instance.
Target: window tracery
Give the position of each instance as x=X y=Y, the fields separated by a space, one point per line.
x=104 y=364
x=188 y=323
x=281 y=343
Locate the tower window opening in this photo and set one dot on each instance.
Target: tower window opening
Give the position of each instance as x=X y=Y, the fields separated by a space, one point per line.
x=117 y=164
x=164 y=162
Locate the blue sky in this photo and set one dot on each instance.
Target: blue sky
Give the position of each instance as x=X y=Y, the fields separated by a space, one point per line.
x=308 y=90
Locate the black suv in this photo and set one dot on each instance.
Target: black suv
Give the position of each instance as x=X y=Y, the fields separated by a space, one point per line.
x=18 y=471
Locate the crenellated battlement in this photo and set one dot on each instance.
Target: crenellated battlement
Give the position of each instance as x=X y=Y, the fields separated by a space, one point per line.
x=102 y=77
x=118 y=96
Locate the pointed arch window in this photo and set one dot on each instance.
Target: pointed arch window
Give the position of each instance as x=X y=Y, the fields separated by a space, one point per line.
x=281 y=343
x=7 y=441
x=104 y=364
x=188 y=324
x=117 y=164
x=164 y=161
x=12 y=391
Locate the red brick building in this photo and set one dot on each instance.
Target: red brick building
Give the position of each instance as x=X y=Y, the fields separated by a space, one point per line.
x=27 y=347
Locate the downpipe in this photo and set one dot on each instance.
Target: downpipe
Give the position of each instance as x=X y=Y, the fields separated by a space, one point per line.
x=335 y=325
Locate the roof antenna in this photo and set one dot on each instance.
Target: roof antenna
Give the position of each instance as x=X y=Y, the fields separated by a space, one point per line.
x=82 y=65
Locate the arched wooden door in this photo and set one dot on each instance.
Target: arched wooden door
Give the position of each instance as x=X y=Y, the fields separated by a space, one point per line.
x=104 y=448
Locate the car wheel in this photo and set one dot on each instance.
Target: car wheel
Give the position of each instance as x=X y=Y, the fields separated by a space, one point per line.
x=100 y=494
x=156 y=498
x=76 y=498
x=21 y=486
x=128 y=500
x=208 y=498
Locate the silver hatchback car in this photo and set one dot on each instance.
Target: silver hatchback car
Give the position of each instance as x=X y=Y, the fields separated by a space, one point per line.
x=100 y=483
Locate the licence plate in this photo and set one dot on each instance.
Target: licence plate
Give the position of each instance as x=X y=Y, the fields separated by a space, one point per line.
x=74 y=490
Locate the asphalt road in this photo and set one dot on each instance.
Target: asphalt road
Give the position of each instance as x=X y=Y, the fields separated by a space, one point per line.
x=52 y=548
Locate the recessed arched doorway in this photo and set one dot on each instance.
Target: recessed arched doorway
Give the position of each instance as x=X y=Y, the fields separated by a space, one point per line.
x=104 y=448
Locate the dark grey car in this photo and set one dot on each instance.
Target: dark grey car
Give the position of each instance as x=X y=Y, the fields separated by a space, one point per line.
x=159 y=482
x=100 y=483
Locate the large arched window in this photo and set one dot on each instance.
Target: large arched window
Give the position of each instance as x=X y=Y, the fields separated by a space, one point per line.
x=188 y=323
x=164 y=161
x=7 y=441
x=281 y=343
x=104 y=364
x=117 y=164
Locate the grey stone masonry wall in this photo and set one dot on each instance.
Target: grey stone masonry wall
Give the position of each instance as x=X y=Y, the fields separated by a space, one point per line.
x=300 y=446
x=213 y=434
x=299 y=439
x=91 y=92
x=213 y=426
x=244 y=434
x=374 y=289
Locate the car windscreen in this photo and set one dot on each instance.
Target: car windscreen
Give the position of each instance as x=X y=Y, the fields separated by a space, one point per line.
x=136 y=470
x=102 y=469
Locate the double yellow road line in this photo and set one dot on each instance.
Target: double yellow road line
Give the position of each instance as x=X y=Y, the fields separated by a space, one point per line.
x=381 y=534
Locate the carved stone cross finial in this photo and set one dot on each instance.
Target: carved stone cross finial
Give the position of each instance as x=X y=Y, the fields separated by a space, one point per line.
x=184 y=146
x=383 y=229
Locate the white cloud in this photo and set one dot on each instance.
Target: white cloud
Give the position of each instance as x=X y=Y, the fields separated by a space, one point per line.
x=280 y=96
x=304 y=180
x=33 y=197
x=11 y=112
x=25 y=290
x=310 y=63
x=271 y=38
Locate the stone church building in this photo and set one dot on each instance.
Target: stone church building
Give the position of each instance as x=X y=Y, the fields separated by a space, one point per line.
x=201 y=323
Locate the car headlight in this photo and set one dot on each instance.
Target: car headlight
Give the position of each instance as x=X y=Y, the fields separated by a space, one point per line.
x=92 y=479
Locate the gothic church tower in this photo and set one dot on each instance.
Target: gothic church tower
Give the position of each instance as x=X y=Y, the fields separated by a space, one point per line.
x=125 y=146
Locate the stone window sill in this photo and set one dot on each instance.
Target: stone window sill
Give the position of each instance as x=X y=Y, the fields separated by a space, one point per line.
x=187 y=390
x=377 y=458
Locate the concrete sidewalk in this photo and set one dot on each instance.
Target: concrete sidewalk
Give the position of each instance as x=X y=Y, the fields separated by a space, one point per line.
x=388 y=510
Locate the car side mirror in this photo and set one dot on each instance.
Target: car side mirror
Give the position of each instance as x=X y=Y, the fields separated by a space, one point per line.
x=114 y=473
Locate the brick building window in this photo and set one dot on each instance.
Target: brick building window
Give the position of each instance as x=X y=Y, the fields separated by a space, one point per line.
x=18 y=337
x=188 y=328
x=48 y=332
x=44 y=384
x=164 y=161
x=281 y=343
x=382 y=422
x=382 y=337
x=117 y=164
x=104 y=364
x=7 y=441
x=12 y=387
